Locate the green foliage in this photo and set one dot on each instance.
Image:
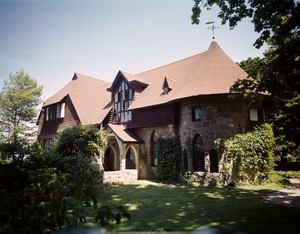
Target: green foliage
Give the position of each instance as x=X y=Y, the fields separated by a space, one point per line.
x=278 y=179
x=186 y=177
x=279 y=71
x=84 y=171
x=19 y=99
x=45 y=191
x=282 y=177
x=270 y=18
x=77 y=146
x=168 y=151
x=84 y=141
x=108 y=215
x=249 y=157
x=40 y=207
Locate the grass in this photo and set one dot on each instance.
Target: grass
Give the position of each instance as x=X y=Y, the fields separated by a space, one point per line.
x=186 y=208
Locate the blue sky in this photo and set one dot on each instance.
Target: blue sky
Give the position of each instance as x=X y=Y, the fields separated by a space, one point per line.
x=52 y=39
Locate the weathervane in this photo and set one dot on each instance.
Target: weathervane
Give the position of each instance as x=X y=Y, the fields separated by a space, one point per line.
x=213 y=27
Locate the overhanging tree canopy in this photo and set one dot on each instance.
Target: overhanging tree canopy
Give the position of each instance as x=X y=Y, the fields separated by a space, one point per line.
x=278 y=23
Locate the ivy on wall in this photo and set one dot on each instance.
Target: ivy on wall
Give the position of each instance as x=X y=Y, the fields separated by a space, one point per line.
x=249 y=157
x=168 y=153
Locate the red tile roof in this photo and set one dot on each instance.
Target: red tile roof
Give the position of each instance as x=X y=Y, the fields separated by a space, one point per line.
x=89 y=96
x=210 y=72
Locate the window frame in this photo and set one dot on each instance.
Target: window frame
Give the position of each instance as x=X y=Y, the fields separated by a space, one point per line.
x=194 y=113
x=122 y=102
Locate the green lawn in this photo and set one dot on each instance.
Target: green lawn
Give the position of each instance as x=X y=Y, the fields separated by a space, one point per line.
x=186 y=208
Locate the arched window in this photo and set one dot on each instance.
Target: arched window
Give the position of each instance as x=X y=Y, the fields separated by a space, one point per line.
x=109 y=160
x=198 y=153
x=130 y=159
x=214 y=161
x=154 y=137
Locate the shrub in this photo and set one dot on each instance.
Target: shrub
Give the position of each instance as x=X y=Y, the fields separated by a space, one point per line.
x=41 y=207
x=168 y=151
x=84 y=141
x=249 y=156
x=282 y=177
x=186 y=177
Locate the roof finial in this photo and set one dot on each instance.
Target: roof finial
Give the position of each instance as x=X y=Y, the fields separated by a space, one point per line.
x=213 y=27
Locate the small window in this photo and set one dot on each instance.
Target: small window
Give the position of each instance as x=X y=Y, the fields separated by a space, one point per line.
x=129 y=116
x=116 y=97
x=197 y=113
x=130 y=94
x=253 y=115
x=55 y=111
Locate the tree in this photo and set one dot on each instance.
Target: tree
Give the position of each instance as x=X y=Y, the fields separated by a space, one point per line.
x=78 y=146
x=278 y=23
x=19 y=99
x=83 y=141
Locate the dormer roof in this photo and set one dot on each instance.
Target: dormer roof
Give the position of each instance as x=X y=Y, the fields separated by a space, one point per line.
x=131 y=79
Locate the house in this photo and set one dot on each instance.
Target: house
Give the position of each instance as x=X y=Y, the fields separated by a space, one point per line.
x=188 y=98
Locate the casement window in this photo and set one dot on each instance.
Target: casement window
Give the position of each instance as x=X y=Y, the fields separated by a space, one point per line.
x=196 y=113
x=48 y=143
x=55 y=111
x=122 y=100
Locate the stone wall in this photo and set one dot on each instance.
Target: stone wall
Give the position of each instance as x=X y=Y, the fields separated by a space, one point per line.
x=125 y=176
x=222 y=117
x=145 y=169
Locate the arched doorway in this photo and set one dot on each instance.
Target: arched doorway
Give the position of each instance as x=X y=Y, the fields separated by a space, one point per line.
x=198 y=153
x=109 y=160
x=214 y=161
x=130 y=159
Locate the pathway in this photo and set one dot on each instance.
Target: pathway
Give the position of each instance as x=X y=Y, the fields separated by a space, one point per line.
x=289 y=196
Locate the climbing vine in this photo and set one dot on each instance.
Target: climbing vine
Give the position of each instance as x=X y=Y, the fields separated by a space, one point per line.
x=249 y=156
x=168 y=151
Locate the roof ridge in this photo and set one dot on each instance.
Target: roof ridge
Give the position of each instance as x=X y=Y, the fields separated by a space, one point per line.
x=90 y=77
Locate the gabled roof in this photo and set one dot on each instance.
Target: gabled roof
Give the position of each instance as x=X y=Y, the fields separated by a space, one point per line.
x=89 y=96
x=210 y=72
x=132 y=79
x=125 y=135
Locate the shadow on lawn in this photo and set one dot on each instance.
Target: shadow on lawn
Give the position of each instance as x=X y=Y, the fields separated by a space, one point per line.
x=187 y=208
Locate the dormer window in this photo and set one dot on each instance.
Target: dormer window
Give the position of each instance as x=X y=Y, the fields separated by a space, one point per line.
x=122 y=100
x=166 y=87
x=55 y=111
